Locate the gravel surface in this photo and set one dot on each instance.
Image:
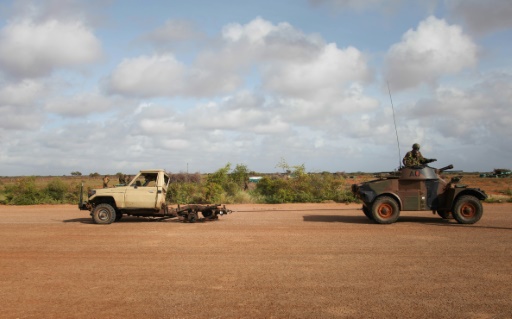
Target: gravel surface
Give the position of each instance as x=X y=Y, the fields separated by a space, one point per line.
x=264 y=261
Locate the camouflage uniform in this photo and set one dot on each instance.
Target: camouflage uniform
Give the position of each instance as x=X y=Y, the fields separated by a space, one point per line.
x=414 y=157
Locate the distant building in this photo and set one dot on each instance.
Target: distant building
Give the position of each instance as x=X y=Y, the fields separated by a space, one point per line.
x=254 y=179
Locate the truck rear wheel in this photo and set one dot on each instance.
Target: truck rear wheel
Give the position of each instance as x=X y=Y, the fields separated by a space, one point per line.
x=467 y=210
x=385 y=210
x=104 y=214
x=192 y=217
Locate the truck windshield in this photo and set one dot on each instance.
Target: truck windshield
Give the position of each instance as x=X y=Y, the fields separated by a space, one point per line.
x=146 y=180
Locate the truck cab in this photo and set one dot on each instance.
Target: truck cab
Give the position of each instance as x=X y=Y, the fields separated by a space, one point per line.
x=144 y=195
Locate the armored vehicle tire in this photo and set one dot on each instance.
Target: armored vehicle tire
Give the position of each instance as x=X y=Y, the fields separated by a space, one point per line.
x=367 y=212
x=444 y=214
x=385 y=210
x=468 y=210
x=104 y=214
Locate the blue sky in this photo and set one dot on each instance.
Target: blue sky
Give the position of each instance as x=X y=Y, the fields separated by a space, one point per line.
x=118 y=86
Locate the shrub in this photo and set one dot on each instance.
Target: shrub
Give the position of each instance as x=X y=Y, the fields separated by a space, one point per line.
x=23 y=192
x=300 y=187
x=56 y=190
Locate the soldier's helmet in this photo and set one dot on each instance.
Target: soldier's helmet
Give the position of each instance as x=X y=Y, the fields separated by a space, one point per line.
x=416 y=146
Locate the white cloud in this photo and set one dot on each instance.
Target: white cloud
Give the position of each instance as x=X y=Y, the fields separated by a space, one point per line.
x=160 y=75
x=325 y=75
x=433 y=50
x=483 y=16
x=173 y=31
x=23 y=94
x=478 y=114
x=30 y=49
x=83 y=104
x=286 y=61
x=15 y=119
x=174 y=34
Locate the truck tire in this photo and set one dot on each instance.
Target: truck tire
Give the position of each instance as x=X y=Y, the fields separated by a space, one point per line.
x=385 y=210
x=367 y=212
x=192 y=217
x=104 y=214
x=467 y=210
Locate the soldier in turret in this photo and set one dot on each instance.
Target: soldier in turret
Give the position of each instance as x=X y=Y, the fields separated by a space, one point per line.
x=414 y=157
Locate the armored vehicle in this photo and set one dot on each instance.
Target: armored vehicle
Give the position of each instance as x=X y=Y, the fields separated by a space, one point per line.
x=419 y=188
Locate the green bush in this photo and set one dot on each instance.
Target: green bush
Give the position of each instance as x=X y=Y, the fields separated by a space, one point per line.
x=185 y=193
x=56 y=190
x=222 y=186
x=300 y=187
x=24 y=192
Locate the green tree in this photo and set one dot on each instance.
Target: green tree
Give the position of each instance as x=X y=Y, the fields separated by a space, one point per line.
x=240 y=175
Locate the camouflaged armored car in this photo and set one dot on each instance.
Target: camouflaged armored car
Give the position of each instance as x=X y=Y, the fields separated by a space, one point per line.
x=419 y=189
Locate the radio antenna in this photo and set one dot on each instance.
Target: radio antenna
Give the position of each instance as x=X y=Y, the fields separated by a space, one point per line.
x=396 y=131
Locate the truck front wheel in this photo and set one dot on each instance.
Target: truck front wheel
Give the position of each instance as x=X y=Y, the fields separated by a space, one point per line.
x=385 y=210
x=104 y=214
x=467 y=210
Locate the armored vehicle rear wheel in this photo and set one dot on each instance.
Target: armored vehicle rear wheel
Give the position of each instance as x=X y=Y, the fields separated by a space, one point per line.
x=385 y=210
x=104 y=214
x=468 y=210
x=367 y=212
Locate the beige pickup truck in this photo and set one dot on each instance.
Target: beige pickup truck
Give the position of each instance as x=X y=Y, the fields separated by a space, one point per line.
x=144 y=196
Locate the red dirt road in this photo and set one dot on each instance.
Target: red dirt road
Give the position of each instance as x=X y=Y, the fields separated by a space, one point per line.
x=269 y=261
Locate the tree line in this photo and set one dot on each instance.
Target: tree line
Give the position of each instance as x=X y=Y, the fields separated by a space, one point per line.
x=226 y=186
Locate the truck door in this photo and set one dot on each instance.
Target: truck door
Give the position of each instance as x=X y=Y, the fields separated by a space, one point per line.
x=162 y=184
x=143 y=192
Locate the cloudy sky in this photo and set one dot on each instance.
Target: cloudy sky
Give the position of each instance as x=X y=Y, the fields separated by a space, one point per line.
x=117 y=86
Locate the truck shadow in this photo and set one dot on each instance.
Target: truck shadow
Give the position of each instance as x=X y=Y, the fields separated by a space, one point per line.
x=127 y=220
x=78 y=220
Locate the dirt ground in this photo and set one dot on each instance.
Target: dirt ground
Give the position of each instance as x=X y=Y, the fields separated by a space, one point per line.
x=264 y=261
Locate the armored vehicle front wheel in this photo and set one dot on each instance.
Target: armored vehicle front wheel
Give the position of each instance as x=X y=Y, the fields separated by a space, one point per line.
x=468 y=210
x=385 y=210
x=367 y=212
x=444 y=214
x=104 y=214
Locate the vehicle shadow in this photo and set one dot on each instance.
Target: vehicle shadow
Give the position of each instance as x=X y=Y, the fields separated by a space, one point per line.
x=337 y=219
x=431 y=221
x=79 y=220
x=364 y=220
x=131 y=220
